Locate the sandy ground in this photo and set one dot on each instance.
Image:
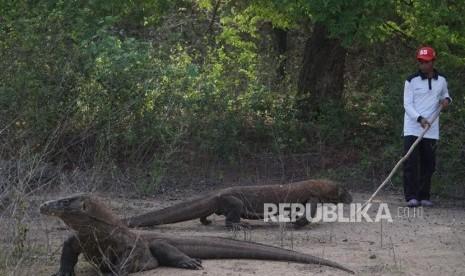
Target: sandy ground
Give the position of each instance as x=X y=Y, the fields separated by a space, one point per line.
x=430 y=244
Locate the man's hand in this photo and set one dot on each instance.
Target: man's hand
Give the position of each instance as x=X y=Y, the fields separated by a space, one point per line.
x=444 y=102
x=424 y=123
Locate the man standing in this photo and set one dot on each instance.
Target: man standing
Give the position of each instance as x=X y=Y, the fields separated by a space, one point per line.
x=424 y=92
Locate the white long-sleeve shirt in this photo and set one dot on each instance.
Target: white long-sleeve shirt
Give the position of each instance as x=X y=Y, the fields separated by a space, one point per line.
x=421 y=98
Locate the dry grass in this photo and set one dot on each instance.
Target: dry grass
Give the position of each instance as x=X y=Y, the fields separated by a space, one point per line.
x=30 y=244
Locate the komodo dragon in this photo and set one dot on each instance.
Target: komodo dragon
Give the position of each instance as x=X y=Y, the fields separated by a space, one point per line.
x=245 y=202
x=115 y=249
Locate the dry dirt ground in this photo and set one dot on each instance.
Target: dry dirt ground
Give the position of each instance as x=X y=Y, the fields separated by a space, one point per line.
x=430 y=244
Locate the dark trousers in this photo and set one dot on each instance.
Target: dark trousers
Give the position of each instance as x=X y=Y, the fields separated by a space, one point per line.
x=419 y=168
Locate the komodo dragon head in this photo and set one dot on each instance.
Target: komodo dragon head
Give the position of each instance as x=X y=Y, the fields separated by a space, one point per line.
x=333 y=192
x=82 y=212
x=329 y=191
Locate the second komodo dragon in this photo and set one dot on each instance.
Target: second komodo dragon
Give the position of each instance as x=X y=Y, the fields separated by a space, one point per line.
x=245 y=202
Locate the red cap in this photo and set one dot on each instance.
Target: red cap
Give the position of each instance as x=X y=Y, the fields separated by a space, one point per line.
x=426 y=54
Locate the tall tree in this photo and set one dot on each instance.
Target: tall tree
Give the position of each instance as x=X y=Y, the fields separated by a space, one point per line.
x=322 y=74
x=336 y=26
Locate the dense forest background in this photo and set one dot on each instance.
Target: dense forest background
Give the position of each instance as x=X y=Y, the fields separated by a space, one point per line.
x=163 y=93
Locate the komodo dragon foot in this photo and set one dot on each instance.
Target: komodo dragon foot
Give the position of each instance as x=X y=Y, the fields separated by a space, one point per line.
x=238 y=226
x=192 y=263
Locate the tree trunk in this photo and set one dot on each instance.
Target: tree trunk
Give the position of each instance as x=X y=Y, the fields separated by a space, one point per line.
x=281 y=49
x=322 y=75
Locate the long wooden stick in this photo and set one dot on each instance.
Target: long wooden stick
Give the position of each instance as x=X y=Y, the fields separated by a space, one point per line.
x=412 y=147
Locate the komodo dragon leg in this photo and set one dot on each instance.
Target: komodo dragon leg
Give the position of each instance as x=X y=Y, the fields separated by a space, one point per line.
x=168 y=255
x=69 y=256
x=303 y=221
x=232 y=208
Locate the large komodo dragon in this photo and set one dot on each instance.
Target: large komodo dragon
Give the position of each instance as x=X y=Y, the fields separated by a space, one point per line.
x=115 y=249
x=245 y=202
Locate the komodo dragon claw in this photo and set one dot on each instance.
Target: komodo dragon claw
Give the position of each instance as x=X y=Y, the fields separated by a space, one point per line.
x=238 y=226
x=192 y=263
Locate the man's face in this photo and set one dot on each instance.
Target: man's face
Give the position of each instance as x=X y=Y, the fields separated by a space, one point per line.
x=425 y=66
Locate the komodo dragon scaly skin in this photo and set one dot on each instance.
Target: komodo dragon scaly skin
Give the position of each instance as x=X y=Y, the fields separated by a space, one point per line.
x=115 y=249
x=245 y=202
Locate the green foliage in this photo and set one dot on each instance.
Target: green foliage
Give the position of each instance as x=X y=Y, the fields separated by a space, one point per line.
x=358 y=22
x=438 y=23
x=164 y=82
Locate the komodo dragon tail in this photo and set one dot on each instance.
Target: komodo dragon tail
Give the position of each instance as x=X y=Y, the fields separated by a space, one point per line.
x=188 y=210
x=221 y=248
